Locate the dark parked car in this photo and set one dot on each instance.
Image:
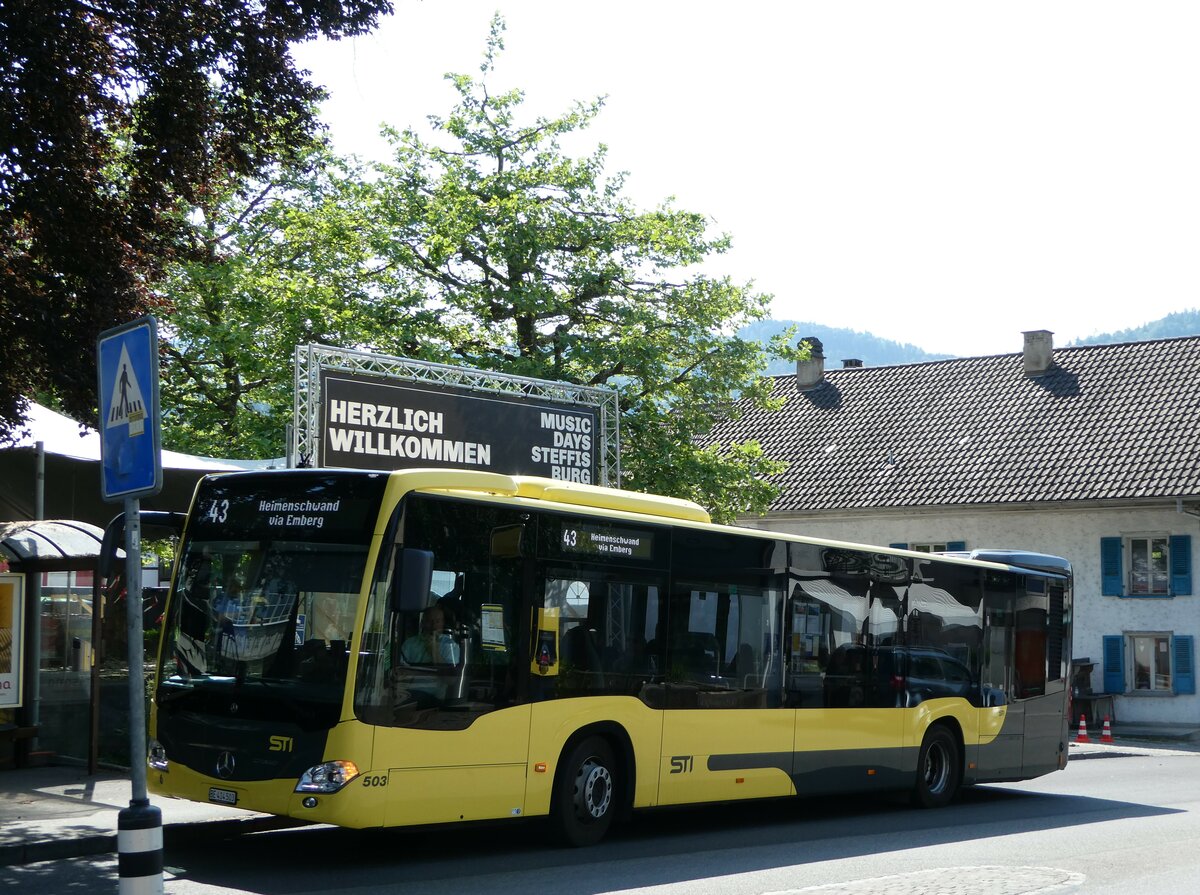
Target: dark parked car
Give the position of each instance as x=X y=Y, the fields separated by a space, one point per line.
x=894 y=676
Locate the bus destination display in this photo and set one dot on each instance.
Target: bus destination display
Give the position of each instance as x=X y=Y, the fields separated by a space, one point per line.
x=325 y=507
x=607 y=540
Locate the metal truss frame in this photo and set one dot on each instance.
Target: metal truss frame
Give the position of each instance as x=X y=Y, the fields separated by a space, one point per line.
x=312 y=359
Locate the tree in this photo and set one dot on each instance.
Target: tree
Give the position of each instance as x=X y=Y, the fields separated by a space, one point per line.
x=536 y=265
x=281 y=265
x=116 y=116
x=495 y=251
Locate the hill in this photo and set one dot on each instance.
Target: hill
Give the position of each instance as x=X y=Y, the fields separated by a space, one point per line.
x=838 y=345
x=1181 y=323
x=874 y=351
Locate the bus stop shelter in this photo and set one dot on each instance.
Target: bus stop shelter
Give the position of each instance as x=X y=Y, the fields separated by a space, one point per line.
x=52 y=469
x=54 y=562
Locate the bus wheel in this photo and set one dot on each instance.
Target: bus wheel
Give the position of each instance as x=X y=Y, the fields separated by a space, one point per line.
x=939 y=771
x=585 y=793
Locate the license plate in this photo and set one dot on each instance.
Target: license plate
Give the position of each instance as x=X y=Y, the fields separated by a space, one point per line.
x=223 y=796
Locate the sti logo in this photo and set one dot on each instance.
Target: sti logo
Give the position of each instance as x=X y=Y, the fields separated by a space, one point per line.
x=280 y=744
x=681 y=764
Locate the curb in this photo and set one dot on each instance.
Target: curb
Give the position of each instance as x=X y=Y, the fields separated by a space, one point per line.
x=106 y=843
x=57 y=849
x=1109 y=753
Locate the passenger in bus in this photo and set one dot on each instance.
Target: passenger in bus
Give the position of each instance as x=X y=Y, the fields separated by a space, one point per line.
x=433 y=644
x=744 y=667
x=226 y=605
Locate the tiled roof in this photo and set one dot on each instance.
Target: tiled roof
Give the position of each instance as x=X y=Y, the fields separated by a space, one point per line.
x=1104 y=422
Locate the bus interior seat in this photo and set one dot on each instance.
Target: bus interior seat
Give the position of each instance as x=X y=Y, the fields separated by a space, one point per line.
x=745 y=670
x=610 y=657
x=698 y=653
x=579 y=650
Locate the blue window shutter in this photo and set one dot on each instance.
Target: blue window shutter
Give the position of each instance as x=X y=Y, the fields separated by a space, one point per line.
x=1181 y=565
x=956 y=546
x=899 y=546
x=1111 y=583
x=1185 y=665
x=1114 y=663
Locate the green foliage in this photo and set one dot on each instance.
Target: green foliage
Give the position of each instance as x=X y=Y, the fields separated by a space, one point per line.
x=537 y=265
x=115 y=115
x=282 y=265
x=484 y=245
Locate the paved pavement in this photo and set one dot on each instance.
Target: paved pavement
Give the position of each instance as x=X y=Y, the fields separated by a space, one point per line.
x=51 y=813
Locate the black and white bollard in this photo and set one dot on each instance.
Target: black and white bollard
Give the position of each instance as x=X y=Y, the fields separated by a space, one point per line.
x=140 y=849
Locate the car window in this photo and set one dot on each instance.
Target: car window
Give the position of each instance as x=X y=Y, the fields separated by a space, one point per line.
x=955 y=672
x=926 y=667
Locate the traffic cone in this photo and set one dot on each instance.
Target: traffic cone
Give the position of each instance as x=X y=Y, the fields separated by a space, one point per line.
x=1083 y=737
x=1106 y=734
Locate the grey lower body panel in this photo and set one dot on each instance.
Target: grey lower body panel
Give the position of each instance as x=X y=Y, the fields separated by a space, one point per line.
x=840 y=771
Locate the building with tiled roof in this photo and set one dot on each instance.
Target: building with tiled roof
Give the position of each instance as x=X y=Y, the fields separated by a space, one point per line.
x=1091 y=453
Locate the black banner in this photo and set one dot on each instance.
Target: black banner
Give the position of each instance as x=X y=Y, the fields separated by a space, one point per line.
x=372 y=423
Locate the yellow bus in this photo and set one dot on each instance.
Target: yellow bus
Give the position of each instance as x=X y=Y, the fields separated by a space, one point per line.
x=380 y=649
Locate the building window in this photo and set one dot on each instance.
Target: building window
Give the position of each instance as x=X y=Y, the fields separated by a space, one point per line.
x=1149 y=662
x=933 y=546
x=1146 y=565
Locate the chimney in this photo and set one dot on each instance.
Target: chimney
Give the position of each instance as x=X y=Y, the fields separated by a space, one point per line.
x=851 y=363
x=1039 y=351
x=811 y=373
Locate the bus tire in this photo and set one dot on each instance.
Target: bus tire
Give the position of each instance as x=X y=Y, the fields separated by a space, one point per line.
x=939 y=769
x=585 y=797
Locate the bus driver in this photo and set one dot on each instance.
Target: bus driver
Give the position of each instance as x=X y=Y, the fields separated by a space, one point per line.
x=433 y=643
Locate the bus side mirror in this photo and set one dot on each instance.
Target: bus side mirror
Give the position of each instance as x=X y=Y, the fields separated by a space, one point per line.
x=412 y=579
x=114 y=536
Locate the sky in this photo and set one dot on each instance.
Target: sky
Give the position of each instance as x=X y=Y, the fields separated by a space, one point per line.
x=946 y=174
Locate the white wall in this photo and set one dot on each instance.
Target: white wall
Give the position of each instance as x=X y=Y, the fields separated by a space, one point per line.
x=1073 y=534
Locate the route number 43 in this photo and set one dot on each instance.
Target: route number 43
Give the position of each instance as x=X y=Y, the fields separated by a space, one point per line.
x=218 y=511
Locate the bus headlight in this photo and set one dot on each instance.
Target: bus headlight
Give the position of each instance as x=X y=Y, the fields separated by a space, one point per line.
x=328 y=777
x=156 y=756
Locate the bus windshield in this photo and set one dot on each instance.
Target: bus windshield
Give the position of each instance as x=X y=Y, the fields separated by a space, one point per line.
x=266 y=591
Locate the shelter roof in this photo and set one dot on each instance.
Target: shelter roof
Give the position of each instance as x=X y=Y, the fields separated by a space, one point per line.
x=63 y=436
x=72 y=488
x=49 y=540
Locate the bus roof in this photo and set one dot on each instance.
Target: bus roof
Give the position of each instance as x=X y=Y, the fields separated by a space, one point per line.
x=552 y=490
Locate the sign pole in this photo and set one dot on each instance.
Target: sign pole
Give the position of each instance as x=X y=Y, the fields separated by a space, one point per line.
x=133 y=627
x=131 y=467
x=139 y=827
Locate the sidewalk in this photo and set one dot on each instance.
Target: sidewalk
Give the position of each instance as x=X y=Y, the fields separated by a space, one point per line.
x=1135 y=739
x=51 y=813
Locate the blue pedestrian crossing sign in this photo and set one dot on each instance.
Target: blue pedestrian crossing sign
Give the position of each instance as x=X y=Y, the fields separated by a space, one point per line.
x=130 y=442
